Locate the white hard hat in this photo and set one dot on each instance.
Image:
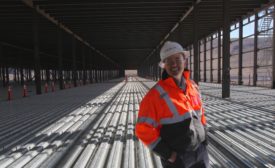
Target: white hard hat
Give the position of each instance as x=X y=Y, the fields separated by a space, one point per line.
x=170 y=48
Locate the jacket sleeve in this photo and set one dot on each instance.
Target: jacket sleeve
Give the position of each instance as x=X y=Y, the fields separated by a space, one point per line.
x=148 y=129
x=203 y=118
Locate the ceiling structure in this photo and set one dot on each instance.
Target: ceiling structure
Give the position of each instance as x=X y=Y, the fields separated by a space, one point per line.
x=124 y=32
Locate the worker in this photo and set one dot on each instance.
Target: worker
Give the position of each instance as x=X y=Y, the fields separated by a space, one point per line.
x=171 y=120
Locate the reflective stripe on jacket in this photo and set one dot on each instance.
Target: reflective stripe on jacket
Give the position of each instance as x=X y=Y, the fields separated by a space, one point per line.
x=171 y=119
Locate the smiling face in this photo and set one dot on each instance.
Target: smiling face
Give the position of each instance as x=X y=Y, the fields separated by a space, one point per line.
x=174 y=65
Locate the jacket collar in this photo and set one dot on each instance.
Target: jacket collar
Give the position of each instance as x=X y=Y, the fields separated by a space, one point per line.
x=186 y=74
x=170 y=81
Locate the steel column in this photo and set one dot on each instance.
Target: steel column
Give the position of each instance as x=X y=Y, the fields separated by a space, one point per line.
x=204 y=59
x=104 y=75
x=91 y=66
x=3 y=76
x=36 y=52
x=96 y=75
x=159 y=74
x=60 y=59
x=2 y=65
x=54 y=75
x=155 y=72
x=28 y=74
x=190 y=58
x=255 y=66
x=84 y=65
x=7 y=75
x=273 y=53
x=47 y=75
x=226 y=50
x=100 y=75
x=211 y=59
x=219 y=56
x=21 y=76
x=240 y=72
x=195 y=43
x=42 y=74
x=74 y=61
x=14 y=75
x=18 y=75
x=199 y=59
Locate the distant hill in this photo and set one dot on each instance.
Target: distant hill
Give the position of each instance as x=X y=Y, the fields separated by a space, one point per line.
x=264 y=58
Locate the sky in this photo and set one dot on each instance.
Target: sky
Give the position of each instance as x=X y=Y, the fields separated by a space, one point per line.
x=249 y=29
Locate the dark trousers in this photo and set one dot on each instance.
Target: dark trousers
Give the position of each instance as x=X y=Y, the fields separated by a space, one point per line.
x=190 y=159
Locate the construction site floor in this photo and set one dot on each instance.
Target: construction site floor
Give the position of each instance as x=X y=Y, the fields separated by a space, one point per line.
x=93 y=126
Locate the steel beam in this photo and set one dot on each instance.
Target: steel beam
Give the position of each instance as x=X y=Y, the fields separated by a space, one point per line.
x=36 y=52
x=226 y=50
x=240 y=72
x=41 y=12
x=255 y=66
x=184 y=16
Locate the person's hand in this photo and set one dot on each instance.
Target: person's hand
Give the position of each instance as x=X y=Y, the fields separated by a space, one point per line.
x=173 y=157
x=174 y=161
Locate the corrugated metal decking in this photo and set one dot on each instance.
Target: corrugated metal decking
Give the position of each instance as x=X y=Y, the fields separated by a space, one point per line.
x=100 y=132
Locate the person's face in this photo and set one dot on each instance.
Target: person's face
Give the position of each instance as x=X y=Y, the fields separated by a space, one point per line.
x=174 y=65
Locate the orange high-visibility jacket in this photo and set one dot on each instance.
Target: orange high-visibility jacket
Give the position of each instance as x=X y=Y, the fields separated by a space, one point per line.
x=171 y=118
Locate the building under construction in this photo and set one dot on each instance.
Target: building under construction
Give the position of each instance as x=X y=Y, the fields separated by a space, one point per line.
x=65 y=100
